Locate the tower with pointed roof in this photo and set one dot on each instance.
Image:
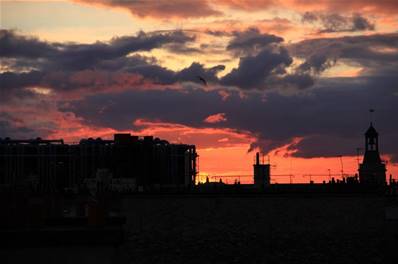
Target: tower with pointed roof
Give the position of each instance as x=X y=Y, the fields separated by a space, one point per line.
x=372 y=171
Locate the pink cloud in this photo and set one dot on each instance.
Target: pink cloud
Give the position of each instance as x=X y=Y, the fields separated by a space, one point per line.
x=182 y=9
x=203 y=138
x=216 y=118
x=164 y=9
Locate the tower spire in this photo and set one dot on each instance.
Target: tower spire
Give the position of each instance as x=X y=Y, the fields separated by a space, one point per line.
x=372 y=170
x=371 y=111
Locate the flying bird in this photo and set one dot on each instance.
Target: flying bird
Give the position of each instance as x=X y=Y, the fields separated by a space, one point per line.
x=202 y=80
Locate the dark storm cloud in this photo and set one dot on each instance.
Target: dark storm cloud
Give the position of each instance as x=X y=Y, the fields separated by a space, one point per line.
x=71 y=56
x=11 y=80
x=123 y=73
x=163 y=76
x=317 y=63
x=12 y=84
x=338 y=23
x=267 y=70
x=62 y=66
x=250 y=41
x=263 y=63
x=80 y=56
x=196 y=70
x=252 y=71
x=263 y=67
x=18 y=46
x=292 y=82
x=336 y=112
x=373 y=52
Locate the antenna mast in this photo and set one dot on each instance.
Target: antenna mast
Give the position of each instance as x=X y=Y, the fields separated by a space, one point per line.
x=342 y=168
x=371 y=111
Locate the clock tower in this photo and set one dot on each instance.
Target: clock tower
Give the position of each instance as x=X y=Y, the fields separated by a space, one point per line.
x=372 y=171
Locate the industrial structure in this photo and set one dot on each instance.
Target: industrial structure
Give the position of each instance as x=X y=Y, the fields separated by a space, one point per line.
x=52 y=165
x=372 y=171
x=261 y=173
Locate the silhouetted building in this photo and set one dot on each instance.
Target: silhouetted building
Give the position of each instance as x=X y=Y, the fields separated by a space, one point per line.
x=36 y=162
x=261 y=172
x=372 y=171
x=51 y=165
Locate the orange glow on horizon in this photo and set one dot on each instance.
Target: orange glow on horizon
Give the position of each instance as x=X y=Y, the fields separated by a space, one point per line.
x=230 y=164
x=223 y=153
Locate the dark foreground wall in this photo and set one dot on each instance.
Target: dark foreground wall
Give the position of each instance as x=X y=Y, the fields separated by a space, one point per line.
x=244 y=229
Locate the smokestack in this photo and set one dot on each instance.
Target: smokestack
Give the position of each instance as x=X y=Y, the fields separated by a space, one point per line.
x=257 y=158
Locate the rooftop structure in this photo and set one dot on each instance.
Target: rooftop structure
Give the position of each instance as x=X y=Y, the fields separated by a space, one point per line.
x=261 y=173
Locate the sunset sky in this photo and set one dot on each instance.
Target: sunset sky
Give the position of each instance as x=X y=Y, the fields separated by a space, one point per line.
x=294 y=79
